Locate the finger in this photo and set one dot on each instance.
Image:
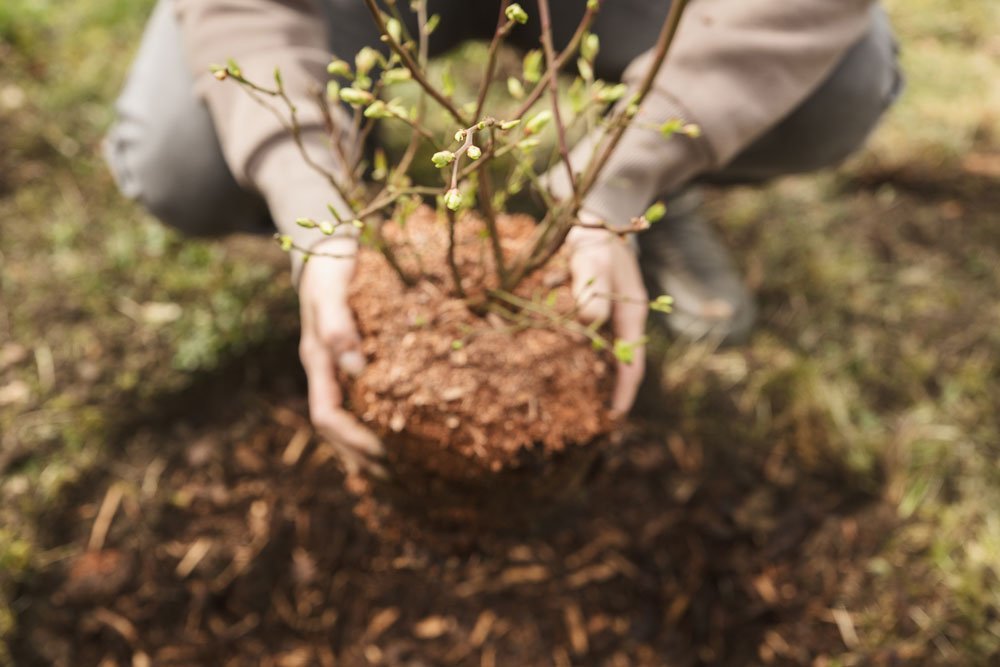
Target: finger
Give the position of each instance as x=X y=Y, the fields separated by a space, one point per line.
x=351 y=362
x=325 y=400
x=591 y=271
x=629 y=324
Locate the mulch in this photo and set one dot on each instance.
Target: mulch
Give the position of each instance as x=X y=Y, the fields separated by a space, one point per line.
x=237 y=542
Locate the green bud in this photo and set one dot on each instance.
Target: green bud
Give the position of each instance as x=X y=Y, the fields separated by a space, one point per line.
x=533 y=66
x=442 y=159
x=538 y=122
x=474 y=152
x=515 y=88
x=671 y=127
x=528 y=144
x=285 y=241
x=377 y=109
x=358 y=224
x=516 y=13
x=395 y=30
x=624 y=351
x=589 y=47
x=397 y=75
x=366 y=59
x=453 y=199
x=692 y=130
x=338 y=67
x=356 y=97
x=326 y=227
x=457 y=344
x=332 y=91
x=447 y=80
x=662 y=304
x=612 y=93
x=585 y=69
x=308 y=223
x=509 y=124
x=432 y=23
x=461 y=135
x=381 y=165
x=593 y=4
x=655 y=212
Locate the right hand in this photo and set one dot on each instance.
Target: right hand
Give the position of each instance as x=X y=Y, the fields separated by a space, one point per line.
x=607 y=284
x=330 y=341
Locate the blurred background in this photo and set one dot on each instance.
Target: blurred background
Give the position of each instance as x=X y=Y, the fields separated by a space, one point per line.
x=128 y=352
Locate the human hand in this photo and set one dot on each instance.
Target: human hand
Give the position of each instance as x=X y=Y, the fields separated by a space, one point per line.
x=330 y=341
x=607 y=283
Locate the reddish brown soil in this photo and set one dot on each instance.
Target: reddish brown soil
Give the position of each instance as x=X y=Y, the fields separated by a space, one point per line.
x=461 y=398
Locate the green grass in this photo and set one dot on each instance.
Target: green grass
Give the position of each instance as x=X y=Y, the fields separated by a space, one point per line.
x=878 y=344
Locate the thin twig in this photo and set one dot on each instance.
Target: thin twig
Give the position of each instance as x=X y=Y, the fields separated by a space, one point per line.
x=504 y=26
x=550 y=60
x=456 y=275
x=415 y=70
x=663 y=42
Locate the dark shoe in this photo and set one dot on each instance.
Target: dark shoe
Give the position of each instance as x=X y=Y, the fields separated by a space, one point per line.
x=681 y=257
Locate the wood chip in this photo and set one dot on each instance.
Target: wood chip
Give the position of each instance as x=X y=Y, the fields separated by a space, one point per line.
x=528 y=574
x=102 y=524
x=296 y=446
x=195 y=554
x=576 y=629
x=433 y=627
x=118 y=623
x=845 y=624
x=381 y=621
x=481 y=630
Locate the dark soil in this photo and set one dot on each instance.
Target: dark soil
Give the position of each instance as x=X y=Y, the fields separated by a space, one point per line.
x=237 y=544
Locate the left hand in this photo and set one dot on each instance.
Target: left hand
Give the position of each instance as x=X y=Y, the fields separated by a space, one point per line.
x=607 y=283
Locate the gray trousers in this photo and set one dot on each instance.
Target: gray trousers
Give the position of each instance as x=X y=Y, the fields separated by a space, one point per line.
x=164 y=153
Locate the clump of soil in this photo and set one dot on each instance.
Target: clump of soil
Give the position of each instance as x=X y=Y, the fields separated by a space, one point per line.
x=466 y=399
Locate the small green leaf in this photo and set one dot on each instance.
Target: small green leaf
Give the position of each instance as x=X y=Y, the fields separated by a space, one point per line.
x=655 y=212
x=662 y=304
x=377 y=109
x=474 y=152
x=396 y=75
x=394 y=30
x=516 y=13
x=453 y=199
x=442 y=159
x=509 y=124
x=532 y=66
x=624 y=351
x=338 y=67
x=447 y=80
x=515 y=88
x=671 y=127
x=589 y=47
x=366 y=59
x=610 y=94
x=537 y=123
x=457 y=344
x=432 y=23
x=327 y=228
x=356 y=97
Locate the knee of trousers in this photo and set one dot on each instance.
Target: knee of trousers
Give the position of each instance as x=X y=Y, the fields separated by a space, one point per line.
x=837 y=118
x=175 y=169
